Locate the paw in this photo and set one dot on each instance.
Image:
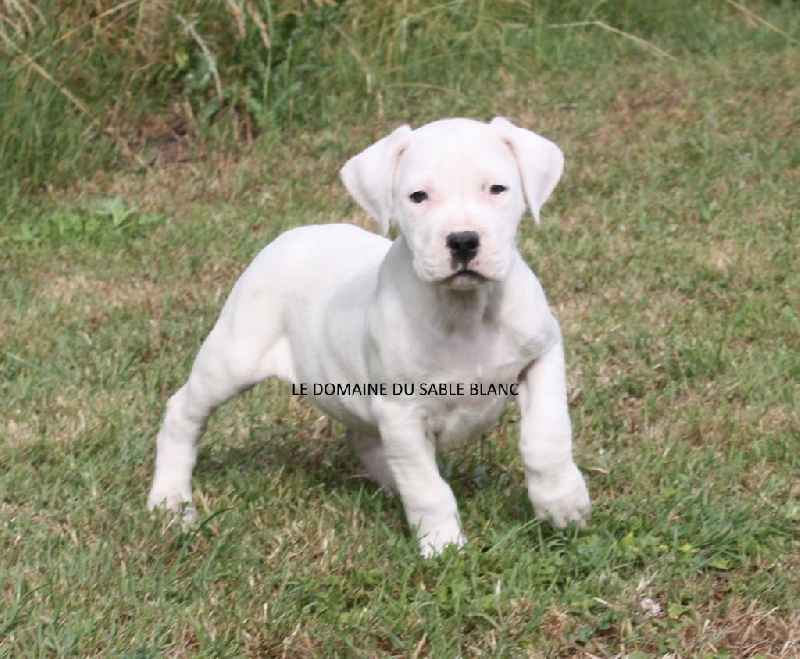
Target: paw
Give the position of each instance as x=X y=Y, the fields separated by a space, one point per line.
x=434 y=543
x=435 y=533
x=560 y=497
x=175 y=501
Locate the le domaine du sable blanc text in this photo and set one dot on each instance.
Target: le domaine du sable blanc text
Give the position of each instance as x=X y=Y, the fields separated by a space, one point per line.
x=405 y=389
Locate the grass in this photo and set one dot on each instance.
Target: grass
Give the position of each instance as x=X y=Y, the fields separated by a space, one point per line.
x=669 y=254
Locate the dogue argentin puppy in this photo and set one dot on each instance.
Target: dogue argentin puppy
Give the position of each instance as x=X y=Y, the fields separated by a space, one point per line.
x=419 y=340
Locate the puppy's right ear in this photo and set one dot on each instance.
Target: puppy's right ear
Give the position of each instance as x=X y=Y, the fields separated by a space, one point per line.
x=369 y=176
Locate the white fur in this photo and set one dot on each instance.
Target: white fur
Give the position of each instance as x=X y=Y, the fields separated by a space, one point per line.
x=336 y=304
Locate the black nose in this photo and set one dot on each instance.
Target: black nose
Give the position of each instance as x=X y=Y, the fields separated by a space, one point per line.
x=463 y=245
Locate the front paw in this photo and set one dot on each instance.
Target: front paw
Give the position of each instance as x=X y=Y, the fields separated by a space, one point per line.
x=175 y=501
x=434 y=543
x=437 y=533
x=560 y=497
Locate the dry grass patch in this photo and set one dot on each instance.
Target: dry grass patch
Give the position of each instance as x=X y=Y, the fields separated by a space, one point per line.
x=746 y=629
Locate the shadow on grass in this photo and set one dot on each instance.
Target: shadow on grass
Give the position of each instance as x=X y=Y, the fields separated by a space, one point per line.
x=327 y=462
x=492 y=496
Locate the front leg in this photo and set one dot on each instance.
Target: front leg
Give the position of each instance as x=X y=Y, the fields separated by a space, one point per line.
x=555 y=484
x=410 y=454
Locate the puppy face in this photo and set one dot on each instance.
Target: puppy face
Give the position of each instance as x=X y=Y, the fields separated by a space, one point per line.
x=458 y=199
x=457 y=189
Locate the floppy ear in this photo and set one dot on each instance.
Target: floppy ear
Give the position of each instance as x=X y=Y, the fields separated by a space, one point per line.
x=540 y=162
x=369 y=176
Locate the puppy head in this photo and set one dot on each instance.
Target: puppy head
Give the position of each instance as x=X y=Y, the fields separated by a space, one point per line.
x=457 y=189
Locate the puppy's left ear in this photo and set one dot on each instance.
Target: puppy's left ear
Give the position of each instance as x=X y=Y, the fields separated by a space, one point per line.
x=369 y=176
x=540 y=162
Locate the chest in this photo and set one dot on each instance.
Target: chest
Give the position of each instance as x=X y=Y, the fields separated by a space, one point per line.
x=460 y=392
x=454 y=419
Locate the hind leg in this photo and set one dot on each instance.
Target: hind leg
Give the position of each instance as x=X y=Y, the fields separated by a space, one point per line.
x=244 y=348
x=370 y=450
x=210 y=384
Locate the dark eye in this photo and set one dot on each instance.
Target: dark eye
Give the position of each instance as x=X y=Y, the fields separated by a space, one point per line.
x=497 y=189
x=418 y=197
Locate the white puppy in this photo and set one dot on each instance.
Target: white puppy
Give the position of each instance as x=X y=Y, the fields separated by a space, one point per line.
x=420 y=340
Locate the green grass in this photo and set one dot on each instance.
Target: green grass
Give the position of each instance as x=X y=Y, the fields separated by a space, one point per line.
x=88 y=86
x=669 y=253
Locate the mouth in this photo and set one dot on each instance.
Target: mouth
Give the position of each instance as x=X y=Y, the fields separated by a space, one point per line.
x=464 y=279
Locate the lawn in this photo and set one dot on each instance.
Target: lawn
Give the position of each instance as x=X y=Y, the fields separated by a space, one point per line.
x=669 y=253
